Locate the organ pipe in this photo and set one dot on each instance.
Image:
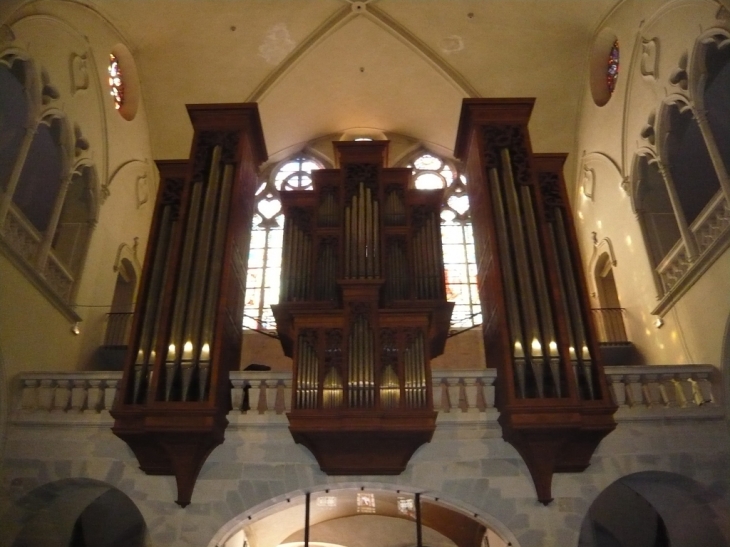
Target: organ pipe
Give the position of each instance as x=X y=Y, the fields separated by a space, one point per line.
x=519 y=246
x=148 y=339
x=540 y=276
x=207 y=326
x=508 y=278
x=176 y=342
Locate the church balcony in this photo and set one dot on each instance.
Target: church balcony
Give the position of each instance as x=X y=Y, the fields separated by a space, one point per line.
x=642 y=393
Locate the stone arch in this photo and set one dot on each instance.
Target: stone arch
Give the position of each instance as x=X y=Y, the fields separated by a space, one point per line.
x=656 y=508
x=290 y=501
x=73 y=511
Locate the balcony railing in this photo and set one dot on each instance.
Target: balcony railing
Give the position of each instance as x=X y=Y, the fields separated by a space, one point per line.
x=118 y=327
x=610 y=325
x=641 y=392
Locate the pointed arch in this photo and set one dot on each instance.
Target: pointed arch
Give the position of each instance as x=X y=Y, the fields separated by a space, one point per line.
x=267 y=231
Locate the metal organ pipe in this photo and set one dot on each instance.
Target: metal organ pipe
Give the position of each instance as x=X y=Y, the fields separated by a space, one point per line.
x=508 y=277
x=176 y=342
x=148 y=339
x=214 y=278
x=201 y=262
x=543 y=299
x=566 y=264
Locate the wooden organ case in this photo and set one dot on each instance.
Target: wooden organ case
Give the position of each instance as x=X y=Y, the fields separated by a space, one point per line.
x=186 y=336
x=551 y=390
x=362 y=311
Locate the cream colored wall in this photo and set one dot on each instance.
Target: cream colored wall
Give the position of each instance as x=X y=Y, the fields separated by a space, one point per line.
x=607 y=140
x=72 y=43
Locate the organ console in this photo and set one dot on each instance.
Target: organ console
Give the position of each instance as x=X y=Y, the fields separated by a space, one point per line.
x=362 y=311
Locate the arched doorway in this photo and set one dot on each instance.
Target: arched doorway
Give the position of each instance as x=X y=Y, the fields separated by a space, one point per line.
x=74 y=513
x=360 y=517
x=656 y=509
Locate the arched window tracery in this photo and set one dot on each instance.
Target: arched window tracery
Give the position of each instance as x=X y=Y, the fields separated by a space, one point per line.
x=682 y=187
x=431 y=172
x=267 y=236
x=47 y=209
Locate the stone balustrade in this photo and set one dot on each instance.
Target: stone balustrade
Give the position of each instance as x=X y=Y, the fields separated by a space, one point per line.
x=660 y=391
x=646 y=392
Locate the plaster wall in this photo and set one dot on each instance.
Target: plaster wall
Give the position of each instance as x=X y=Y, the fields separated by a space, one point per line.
x=653 y=36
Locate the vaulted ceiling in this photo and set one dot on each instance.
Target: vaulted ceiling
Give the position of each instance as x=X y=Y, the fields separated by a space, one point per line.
x=319 y=67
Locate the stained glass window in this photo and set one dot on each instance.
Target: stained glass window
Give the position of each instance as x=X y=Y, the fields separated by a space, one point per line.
x=429 y=173
x=612 y=68
x=267 y=235
x=116 y=84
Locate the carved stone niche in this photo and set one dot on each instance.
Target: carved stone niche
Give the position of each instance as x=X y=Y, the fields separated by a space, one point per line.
x=551 y=390
x=362 y=312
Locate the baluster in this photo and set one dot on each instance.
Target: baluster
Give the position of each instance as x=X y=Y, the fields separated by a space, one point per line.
x=78 y=395
x=617 y=389
x=650 y=389
x=281 y=398
x=489 y=390
x=45 y=395
x=684 y=390
x=93 y=397
x=463 y=402
x=29 y=396
x=262 y=406
x=705 y=387
x=472 y=387
x=445 y=403
x=110 y=394
x=271 y=393
x=237 y=395
x=61 y=396
x=633 y=390
x=454 y=390
x=666 y=390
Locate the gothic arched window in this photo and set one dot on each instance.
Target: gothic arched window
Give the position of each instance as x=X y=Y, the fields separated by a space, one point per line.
x=267 y=234
x=116 y=83
x=429 y=173
x=47 y=206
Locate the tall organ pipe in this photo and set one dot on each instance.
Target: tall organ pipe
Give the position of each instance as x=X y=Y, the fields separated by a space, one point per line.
x=519 y=245
x=508 y=277
x=574 y=302
x=348 y=236
x=213 y=284
x=201 y=262
x=148 y=338
x=539 y=274
x=176 y=342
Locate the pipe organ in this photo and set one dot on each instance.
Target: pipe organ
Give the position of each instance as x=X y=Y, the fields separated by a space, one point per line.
x=362 y=311
x=551 y=391
x=186 y=334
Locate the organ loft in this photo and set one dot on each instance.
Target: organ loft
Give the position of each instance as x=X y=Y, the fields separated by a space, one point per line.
x=362 y=306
